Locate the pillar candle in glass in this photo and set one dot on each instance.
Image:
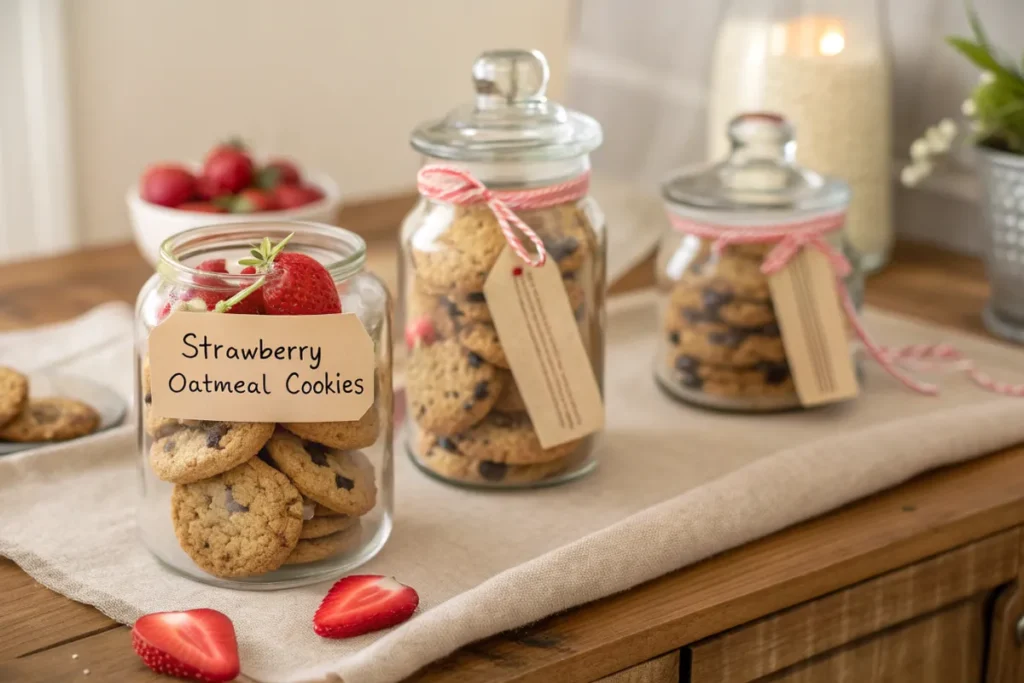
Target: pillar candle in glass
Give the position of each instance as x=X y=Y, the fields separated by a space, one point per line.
x=824 y=65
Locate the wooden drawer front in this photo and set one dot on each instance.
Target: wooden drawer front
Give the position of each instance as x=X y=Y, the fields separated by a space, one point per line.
x=664 y=669
x=769 y=645
x=945 y=647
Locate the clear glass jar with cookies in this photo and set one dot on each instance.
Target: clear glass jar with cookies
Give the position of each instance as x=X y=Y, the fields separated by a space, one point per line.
x=265 y=441
x=466 y=420
x=720 y=343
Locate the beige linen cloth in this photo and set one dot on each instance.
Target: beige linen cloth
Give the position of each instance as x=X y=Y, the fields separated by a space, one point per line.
x=675 y=485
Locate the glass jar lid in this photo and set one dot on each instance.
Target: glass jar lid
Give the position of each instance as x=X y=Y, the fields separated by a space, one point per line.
x=510 y=119
x=760 y=174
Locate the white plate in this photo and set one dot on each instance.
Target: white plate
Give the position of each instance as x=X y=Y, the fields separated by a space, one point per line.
x=108 y=403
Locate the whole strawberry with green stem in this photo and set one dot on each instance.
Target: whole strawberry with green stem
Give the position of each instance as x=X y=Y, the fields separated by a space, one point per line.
x=290 y=283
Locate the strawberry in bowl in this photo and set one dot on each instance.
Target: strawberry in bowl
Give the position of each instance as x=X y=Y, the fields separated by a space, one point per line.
x=228 y=186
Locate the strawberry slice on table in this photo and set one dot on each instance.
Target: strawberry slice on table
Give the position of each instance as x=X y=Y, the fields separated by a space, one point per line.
x=290 y=283
x=198 y=644
x=364 y=603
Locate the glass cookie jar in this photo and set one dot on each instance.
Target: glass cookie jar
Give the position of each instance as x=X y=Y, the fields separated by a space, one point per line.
x=259 y=504
x=720 y=344
x=465 y=419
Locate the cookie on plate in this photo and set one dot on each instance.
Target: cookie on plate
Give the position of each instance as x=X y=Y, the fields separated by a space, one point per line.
x=442 y=458
x=361 y=433
x=242 y=522
x=51 y=419
x=508 y=439
x=316 y=549
x=13 y=393
x=482 y=339
x=340 y=480
x=450 y=389
x=187 y=451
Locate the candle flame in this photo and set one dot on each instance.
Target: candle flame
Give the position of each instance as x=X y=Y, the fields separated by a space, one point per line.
x=831 y=42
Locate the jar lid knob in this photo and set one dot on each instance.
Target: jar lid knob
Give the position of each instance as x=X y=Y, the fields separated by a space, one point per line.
x=503 y=77
x=763 y=132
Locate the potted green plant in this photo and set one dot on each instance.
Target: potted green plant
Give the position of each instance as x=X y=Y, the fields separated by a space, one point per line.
x=995 y=110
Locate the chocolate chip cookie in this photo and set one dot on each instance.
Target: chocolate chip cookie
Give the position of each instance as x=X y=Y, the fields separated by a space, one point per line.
x=457 y=256
x=13 y=393
x=728 y=345
x=508 y=439
x=718 y=304
x=322 y=547
x=361 y=433
x=510 y=401
x=482 y=339
x=242 y=522
x=324 y=526
x=51 y=419
x=340 y=480
x=187 y=451
x=443 y=458
x=762 y=379
x=449 y=388
x=565 y=232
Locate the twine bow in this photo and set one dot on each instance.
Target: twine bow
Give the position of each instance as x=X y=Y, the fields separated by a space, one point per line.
x=456 y=186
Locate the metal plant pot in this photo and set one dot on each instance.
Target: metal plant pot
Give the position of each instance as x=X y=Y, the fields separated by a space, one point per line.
x=1002 y=177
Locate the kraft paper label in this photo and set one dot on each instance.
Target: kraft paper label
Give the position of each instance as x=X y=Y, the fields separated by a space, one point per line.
x=261 y=368
x=813 y=328
x=537 y=329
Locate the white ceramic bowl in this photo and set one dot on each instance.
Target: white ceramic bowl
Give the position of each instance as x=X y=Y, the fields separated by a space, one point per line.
x=152 y=223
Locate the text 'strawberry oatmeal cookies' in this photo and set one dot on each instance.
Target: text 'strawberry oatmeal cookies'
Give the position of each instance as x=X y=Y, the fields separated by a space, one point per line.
x=266 y=407
x=721 y=340
x=522 y=163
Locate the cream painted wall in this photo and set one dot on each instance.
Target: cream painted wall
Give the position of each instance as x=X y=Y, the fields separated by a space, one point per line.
x=336 y=83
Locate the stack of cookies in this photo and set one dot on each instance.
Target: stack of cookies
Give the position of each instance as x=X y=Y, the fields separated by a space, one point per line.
x=250 y=497
x=722 y=339
x=30 y=420
x=469 y=422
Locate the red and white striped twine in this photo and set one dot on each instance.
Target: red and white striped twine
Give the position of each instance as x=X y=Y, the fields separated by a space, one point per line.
x=789 y=239
x=456 y=186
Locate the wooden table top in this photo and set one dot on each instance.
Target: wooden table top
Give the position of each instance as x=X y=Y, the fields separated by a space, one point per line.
x=50 y=638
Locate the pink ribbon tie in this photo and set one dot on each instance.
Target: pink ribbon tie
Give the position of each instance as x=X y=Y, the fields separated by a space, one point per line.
x=452 y=185
x=789 y=239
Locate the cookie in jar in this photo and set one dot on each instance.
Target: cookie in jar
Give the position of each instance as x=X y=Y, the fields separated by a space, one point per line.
x=504 y=184
x=735 y=224
x=264 y=386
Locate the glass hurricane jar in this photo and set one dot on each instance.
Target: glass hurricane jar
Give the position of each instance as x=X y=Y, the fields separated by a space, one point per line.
x=720 y=345
x=825 y=66
x=270 y=521
x=465 y=419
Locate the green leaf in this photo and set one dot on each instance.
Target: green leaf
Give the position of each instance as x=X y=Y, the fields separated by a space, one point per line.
x=267 y=178
x=975 y=22
x=256 y=253
x=983 y=59
x=225 y=202
x=250 y=262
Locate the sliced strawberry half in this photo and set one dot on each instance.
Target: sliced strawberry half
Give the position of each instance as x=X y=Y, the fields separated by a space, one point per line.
x=363 y=603
x=198 y=644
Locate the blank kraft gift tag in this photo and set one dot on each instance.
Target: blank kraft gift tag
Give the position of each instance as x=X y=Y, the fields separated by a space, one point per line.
x=813 y=328
x=539 y=334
